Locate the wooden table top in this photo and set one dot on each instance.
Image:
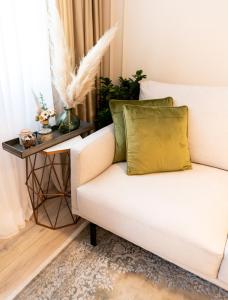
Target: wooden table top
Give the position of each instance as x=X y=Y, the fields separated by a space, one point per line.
x=14 y=147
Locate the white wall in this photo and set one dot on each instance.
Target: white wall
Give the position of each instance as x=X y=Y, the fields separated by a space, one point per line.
x=180 y=41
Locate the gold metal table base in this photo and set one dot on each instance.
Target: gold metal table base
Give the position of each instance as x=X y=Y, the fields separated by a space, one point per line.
x=48 y=183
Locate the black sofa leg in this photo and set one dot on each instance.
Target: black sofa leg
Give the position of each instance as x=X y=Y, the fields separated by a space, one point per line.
x=93 y=234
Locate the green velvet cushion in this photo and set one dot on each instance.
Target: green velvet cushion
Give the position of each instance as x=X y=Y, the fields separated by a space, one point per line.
x=156 y=139
x=116 y=107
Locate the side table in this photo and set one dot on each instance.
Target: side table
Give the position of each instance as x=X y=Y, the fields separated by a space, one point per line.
x=48 y=176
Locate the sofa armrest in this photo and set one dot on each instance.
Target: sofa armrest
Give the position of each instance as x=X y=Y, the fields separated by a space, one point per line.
x=92 y=155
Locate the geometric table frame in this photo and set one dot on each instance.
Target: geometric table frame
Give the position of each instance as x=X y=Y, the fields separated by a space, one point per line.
x=44 y=166
x=41 y=191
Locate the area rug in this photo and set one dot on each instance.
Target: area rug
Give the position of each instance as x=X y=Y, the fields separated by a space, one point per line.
x=115 y=270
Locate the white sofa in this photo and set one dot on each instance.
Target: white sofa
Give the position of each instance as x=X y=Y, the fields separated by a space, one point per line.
x=180 y=216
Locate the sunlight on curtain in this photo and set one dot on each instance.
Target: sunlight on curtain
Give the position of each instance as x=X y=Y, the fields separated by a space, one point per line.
x=84 y=22
x=24 y=66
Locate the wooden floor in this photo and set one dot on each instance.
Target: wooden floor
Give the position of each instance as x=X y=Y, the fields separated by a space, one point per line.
x=22 y=257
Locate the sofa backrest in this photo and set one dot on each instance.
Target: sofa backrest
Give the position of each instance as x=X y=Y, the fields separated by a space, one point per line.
x=208 y=118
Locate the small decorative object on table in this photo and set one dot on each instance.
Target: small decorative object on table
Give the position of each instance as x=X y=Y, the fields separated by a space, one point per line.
x=41 y=138
x=27 y=138
x=72 y=87
x=43 y=115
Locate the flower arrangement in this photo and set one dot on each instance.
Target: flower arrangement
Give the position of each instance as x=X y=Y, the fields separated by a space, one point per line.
x=43 y=114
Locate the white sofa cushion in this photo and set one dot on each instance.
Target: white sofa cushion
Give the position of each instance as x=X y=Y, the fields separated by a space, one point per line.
x=180 y=216
x=208 y=118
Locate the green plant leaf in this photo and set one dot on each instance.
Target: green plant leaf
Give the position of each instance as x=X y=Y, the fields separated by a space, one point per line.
x=127 y=89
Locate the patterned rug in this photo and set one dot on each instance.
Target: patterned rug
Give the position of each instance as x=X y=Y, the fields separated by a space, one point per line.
x=115 y=270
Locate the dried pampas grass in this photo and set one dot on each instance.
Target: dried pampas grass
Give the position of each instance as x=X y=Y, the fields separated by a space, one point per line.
x=72 y=88
x=60 y=56
x=83 y=82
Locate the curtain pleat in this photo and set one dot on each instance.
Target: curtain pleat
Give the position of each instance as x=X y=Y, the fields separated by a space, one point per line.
x=84 y=23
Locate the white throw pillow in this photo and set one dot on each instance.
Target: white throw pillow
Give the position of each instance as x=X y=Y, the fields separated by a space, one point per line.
x=208 y=118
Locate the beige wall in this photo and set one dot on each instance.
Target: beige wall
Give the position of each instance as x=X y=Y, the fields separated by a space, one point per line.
x=116 y=50
x=182 y=41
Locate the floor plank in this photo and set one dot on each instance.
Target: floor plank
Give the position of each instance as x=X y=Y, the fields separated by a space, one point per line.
x=23 y=256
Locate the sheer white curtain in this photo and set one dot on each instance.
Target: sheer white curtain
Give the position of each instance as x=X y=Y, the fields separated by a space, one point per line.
x=24 y=66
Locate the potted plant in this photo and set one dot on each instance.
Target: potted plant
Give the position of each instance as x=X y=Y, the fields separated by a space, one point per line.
x=127 y=89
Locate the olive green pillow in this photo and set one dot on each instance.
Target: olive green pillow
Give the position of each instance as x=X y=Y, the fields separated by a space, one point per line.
x=116 y=107
x=156 y=139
